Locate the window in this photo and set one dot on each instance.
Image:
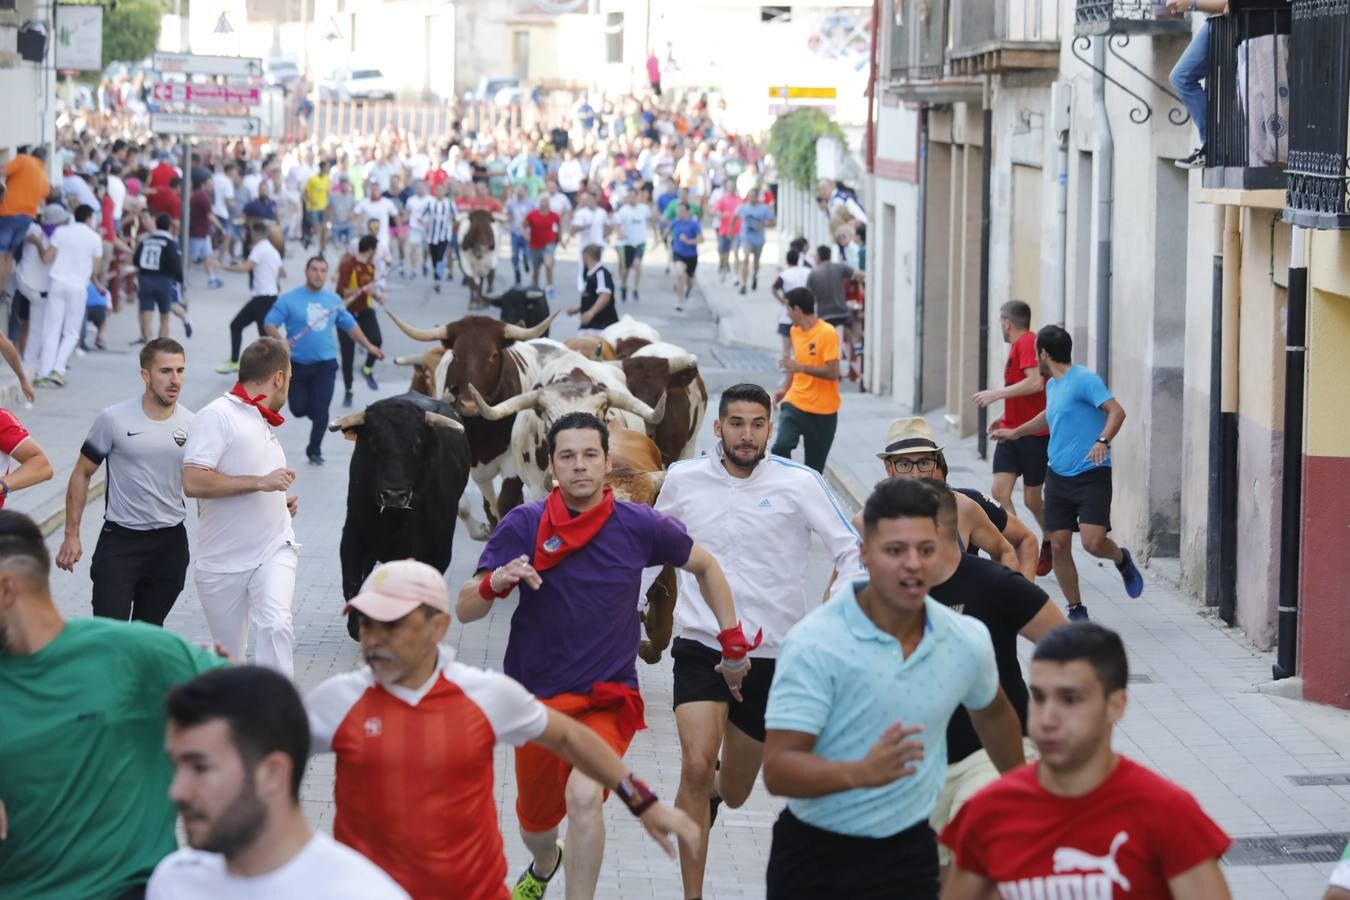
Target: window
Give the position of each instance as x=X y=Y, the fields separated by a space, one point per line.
x=614 y=37
x=520 y=54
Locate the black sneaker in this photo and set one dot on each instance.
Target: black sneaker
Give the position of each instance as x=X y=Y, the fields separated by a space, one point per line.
x=1195 y=161
x=714 y=804
x=623 y=293
x=347 y=400
x=315 y=459
x=1076 y=612
x=754 y=283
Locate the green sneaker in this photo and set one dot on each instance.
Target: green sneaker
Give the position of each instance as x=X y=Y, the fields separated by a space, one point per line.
x=227 y=368
x=530 y=886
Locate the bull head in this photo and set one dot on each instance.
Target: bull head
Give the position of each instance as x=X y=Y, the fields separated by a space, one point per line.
x=353 y=421
x=508 y=407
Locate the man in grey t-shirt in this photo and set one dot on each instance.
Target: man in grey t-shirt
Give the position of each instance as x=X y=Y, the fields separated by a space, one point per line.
x=141 y=558
x=827 y=281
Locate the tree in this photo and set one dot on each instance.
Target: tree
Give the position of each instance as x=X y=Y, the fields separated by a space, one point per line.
x=131 y=30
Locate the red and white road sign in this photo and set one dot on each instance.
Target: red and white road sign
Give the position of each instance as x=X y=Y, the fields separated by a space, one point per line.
x=206 y=94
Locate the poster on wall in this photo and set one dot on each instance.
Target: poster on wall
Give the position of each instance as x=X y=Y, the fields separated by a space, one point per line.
x=79 y=38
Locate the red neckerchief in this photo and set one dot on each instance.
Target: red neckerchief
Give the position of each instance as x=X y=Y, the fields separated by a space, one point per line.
x=561 y=534
x=628 y=702
x=269 y=417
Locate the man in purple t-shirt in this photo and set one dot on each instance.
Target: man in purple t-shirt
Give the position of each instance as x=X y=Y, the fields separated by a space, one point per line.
x=577 y=559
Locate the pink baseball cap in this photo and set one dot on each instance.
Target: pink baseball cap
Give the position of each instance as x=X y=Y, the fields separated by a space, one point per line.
x=398 y=587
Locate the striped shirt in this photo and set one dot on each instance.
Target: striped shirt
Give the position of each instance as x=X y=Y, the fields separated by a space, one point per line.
x=441 y=214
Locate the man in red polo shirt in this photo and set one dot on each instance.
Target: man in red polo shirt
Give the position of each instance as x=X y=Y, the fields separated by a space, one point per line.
x=414 y=732
x=543 y=226
x=1023 y=396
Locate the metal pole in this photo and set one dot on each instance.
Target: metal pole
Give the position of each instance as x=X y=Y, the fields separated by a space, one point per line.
x=986 y=213
x=1214 y=560
x=186 y=187
x=1291 y=491
x=920 y=249
x=1103 y=169
x=1230 y=326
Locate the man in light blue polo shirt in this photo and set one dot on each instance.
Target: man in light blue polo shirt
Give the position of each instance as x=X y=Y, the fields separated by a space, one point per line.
x=857 y=716
x=311 y=316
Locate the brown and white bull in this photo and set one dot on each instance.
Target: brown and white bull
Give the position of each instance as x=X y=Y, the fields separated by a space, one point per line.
x=663 y=370
x=497 y=360
x=478 y=256
x=591 y=346
x=627 y=335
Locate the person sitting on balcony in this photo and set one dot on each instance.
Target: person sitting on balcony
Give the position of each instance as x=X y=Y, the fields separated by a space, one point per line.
x=1190 y=71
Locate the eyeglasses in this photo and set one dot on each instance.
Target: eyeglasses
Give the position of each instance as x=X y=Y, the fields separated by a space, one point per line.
x=906 y=464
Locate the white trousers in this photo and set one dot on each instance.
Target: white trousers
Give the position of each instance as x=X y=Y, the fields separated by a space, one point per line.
x=263 y=596
x=61 y=326
x=37 y=317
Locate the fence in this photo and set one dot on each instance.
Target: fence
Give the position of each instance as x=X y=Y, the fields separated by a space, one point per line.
x=423 y=120
x=1247 y=90
x=1319 y=64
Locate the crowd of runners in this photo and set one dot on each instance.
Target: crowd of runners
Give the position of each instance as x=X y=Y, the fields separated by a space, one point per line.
x=888 y=707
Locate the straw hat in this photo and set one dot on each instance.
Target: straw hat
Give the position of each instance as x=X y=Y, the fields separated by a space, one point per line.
x=909 y=435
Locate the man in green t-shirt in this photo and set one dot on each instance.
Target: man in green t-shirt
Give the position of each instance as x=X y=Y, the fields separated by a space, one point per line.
x=84 y=809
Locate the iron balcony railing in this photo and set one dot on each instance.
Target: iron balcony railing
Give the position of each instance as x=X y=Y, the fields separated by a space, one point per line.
x=1318 y=194
x=1247 y=97
x=1126 y=17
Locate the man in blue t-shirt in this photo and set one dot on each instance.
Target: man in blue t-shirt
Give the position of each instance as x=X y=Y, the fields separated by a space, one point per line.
x=1083 y=418
x=311 y=316
x=685 y=233
x=756 y=218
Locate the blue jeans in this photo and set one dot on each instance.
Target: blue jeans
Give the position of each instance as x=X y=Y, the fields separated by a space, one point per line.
x=520 y=255
x=310 y=396
x=1187 y=74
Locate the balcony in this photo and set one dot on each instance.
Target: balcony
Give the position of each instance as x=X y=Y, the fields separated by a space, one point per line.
x=918 y=55
x=1126 y=17
x=1319 y=82
x=1247 y=98
x=1020 y=35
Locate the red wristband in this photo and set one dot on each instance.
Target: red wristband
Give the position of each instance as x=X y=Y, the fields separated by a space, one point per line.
x=734 y=643
x=634 y=792
x=486 y=591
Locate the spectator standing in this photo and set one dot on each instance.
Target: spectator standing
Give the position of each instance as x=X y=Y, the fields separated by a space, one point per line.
x=792 y=276
x=265 y=272
x=654 y=73
x=26 y=189
x=79 y=257
x=311 y=315
x=159 y=267
x=80 y=704
x=141 y=558
x=357 y=286
x=233 y=465
x=809 y=405
x=1192 y=68
x=828 y=282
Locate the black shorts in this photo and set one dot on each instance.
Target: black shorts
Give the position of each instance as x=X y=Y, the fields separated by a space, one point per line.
x=697 y=679
x=1076 y=499
x=809 y=863
x=632 y=253
x=784 y=329
x=690 y=263
x=1024 y=456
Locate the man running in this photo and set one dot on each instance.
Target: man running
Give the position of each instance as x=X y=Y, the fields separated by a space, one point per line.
x=159 y=279
x=265 y=272
x=634 y=221
x=417 y=209
x=316 y=194
x=311 y=316
x=239 y=741
x=792 y=276
x=141 y=558
x=233 y=465
x=723 y=205
x=359 y=290
x=1023 y=396
x=809 y=404
x=597 y=310
x=577 y=559
x=440 y=216
x=82 y=788
x=517 y=208
x=445 y=841
x=685 y=234
x=79 y=258
x=1084 y=821
x=544 y=229
x=1083 y=418
x=758 y=514
x=858 y=712
x=756 y=217
x=1008 y=605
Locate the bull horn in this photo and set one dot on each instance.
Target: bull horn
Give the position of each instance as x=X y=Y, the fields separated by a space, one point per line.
x=626 y=401
x=407 y=360
x=436 y=420
x=509 y=407
x=351 y=420
x=420 y=334
x=682 y=362
x=516 y=333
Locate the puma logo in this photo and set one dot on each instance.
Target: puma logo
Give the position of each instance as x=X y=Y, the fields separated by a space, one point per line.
x=1068 y=859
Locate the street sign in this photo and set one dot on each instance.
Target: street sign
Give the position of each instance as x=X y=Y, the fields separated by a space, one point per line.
x=79 y=37
x=206 y=94
x=210 y=126
x=195 y=64
x=788 y=92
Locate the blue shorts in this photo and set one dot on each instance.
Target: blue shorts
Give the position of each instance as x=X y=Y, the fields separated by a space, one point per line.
x=754 y=243
x=316 y=216
x=13 y=229
x=725 y=242
x=156 y=292
x=198 y=248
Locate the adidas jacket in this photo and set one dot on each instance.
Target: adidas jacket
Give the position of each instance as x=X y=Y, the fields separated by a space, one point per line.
x=759 y=530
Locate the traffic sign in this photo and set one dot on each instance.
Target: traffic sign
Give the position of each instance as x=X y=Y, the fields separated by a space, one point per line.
x=196 y=64
x=211 y=126
x=788 y=92
x=206 y=94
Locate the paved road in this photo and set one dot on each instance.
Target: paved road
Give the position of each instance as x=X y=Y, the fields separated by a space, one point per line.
x=634 y=866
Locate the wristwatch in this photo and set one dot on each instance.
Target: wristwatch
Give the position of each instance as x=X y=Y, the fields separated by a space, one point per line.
x=1102 y=440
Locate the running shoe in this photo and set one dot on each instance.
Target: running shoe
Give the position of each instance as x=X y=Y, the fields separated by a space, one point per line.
x=187 y=328
x=315 y=459
x=436 y=287
x=347 y=400
x=550 y=293
x=1076 y=612
x=530 y=886
x=227 y=368
x=57 y=379
x=369 y=374
x=42 y=383
x=742 y=290
x=635 y=295
x=754 y=283
x=623 y=293
x=1046 y=562
x=1129 y=573
x=1195 y=161
x=714 y=804
x=215 y=283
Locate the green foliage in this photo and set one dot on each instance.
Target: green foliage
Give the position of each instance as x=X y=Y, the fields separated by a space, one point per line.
x=792 y=141
x=131 y=32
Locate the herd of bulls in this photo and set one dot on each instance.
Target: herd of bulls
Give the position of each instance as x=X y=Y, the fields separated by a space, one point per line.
x=480 y=406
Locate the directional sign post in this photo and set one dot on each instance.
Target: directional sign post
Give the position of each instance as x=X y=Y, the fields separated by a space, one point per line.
x=207 y=126
x=206 y=94
x=194 y=64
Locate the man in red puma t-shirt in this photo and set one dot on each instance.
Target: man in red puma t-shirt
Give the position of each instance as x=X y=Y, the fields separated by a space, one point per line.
x=1083 y=821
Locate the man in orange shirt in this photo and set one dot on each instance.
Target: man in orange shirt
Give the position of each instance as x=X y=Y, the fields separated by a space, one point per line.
x=810 y=403
x=26 y=189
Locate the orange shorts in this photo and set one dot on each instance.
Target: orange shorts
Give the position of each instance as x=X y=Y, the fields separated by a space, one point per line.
x=541 y=777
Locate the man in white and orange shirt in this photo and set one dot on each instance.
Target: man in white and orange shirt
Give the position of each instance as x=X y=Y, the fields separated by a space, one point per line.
x=414 y=733
x=22 y=462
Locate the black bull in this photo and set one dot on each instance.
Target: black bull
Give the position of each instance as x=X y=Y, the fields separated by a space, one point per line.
x=403 y=489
